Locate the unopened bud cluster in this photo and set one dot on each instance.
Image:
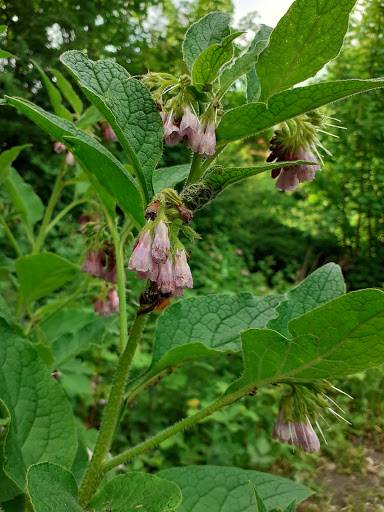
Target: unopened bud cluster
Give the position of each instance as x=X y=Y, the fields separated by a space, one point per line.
x=158 y=254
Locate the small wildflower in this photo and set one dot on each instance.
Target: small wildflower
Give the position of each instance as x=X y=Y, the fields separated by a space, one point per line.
x=183 y=275
x=171 y=130
x=195 y=138
x=166 y=278
x=109 y=305
x=108 y=133
x=300 y=434
x=94 y=264
x=161 y=243
x=110 y=275
x=189 y=124
x=70 y=159
x=207 y=146
x=141 y=258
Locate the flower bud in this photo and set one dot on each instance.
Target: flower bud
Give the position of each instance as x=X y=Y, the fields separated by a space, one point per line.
x=70 y=159
x=58 y=147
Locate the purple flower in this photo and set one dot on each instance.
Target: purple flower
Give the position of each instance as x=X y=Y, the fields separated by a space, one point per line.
x=70 y=159
x=189 y=124
x=183 y=275
x=110 y=275
x=301 y=434
x=58 y=147
x=109 y=306
x=94 y=264
x=207 y=145
x=171 y=130
x=141 y=257
x=290 y=177
x=195 y=138
x=108 y=133
x=161 y=244
x=166 y=279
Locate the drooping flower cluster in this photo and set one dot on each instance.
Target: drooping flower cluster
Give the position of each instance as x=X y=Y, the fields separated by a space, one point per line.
x=108 y=303
x=297 y=140
x=152 y=258
x=101 y=263
x=201 y=136
x=58 y=148
x=300 y=434
x=293 y=425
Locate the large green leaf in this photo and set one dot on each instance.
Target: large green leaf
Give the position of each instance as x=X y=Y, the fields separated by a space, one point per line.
x=305 y=39
x=136 y=491
x=210 y=30
x=227 y=489
x=6 y=159
x=68 y=91
x=27 y=203
x=204 y=327
x=168 y=177
x=8 y=488
x=42 y=427
x=128 y=107
x=52 y=488
x=116 y=181
x=54 y=95
x=253 y=118
x=342 y=337
x=206 y=67
x=253 y=82
x=323 y=285
x=41 y=274
x=72 y=343
x=246 y=60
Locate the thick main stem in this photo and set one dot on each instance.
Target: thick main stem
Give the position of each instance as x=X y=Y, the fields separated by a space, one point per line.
x=94 y=473
x=49 y=210
x=195 y=172
x=171 y=431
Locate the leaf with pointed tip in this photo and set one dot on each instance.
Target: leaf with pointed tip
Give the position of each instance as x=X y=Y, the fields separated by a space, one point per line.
x=254 y=118
x=260 y=506
x=128 y=107
x=6 y=159
x=68 y=92
x=52 y=487
x=136 y=491
x=208 y=64
x=42 y=426
x=25 y=200
x=240 y=67
x=204 y=327
x=54 y=95
x=209 y=30
x=253 y=83
x=227 y=489
x=89 y=117
x=168 y=177
x=309 y=35
x=342 y=337
x=41 y=274
x=113 y=178
x=323 y=285
x=291 y=507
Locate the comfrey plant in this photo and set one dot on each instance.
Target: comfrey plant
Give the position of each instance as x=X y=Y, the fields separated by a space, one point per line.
x=297 y=343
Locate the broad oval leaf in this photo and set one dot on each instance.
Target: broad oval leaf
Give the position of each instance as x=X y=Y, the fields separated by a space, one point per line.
x=342 y=337
x=128 y=107
x=209 y=30
x=8 y=488
x=41 y=274
x=117 y=181
x=309 y=35
x=253 y=118
x=204 y=327
x=208 y=64
x=168 y=177
x=6 y=159
x=52 y=487
x=42 y=426
x=323 y=285
x=25 y=200
x=227 y=489
x=136 y=491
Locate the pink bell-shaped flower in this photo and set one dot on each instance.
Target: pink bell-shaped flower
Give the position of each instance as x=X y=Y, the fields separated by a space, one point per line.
x=183 y=275
x=166 y=279
x=161 y=243
x=207 y=145
x=141 y=257
x=301 y=434
x=94 y=264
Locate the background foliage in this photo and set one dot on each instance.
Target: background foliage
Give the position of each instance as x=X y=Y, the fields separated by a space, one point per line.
x=260 y=240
